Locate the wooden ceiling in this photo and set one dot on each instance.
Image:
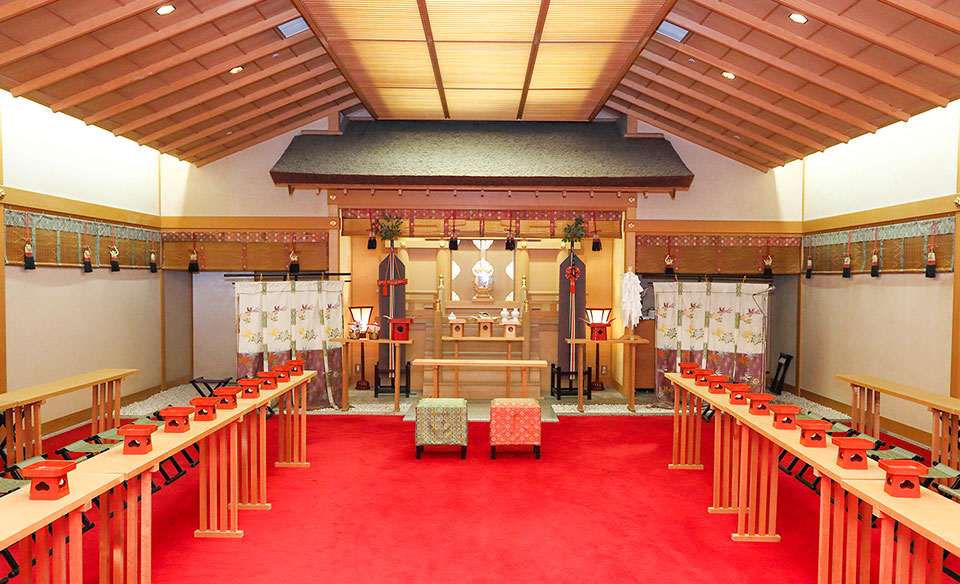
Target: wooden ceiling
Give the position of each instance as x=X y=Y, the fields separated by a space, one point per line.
x=792 y=87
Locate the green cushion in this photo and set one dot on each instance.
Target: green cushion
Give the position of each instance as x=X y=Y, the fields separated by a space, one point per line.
x=807 y=417
x=147 y=421
x=111 y=435
x=839 y=427
x=941 y=471
x=895 y=453
x=948 y=492
x=82 y=446
x=10 y=485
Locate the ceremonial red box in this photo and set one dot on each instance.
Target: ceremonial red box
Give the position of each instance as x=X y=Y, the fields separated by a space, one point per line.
x=760 y=403
x=717 y=383
x=206 y=408
x=48 y=479
x=687 y=369
x=702 y=377
x=853 y=452
x=227 y=397
x=269 y=379
x=738 y=392
x=598 y=331
x=296 y=366
x=400 y=329
x=250 y=387
x=903 y=477
x=813 y=433
x=137 y=438
x=784 y=416
x=282 y=371
x=177 y=419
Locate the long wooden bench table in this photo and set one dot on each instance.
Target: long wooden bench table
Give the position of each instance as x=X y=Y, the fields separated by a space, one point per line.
x=865 y=413
x=22 y=408
x=438 y=364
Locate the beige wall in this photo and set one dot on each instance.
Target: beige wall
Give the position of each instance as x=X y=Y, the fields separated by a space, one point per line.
x=214 y=323
x=177 y=326
x=61 y=322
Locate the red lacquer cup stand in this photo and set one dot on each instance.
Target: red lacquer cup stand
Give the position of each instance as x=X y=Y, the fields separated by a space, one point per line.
x=784 y=416
x=53 y=553
x=687 y=423
x=136 y=438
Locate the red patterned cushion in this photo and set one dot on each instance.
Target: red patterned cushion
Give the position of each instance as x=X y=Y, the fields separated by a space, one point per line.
x=514 y=421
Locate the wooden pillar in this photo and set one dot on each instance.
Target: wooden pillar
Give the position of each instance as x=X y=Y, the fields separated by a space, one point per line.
x=955 y=336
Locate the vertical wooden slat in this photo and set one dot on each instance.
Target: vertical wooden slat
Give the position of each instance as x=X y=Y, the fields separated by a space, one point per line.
x=683 y=425
x=104 y=520
x=94 y=409
x=222 y=480
x=146 y=528
x=743 y=507
x=41 y=554
x=753 y=477
x=904 y=539
x=116 y=536
x=717 y=460
x=262 y=445
x=676 y=424
x=876 y=413
x=132 y=529
x=212 y=480
x=245 y=423
x=855 y=408
x=37 y=430
x=282 y=428
x=116 y=402
x=774 y=484
x=853 y=538
x=935 y=553
x=954 y=438
x=203 y=486
x=920 y=558
x=303 y=422
x=697 y=441
x=836 y=549
x=58 y=557
x=935 y=455
x=75 y=549
x=866 y=516
x=234 y=479
x=826 y=523
x=764 y=494
x=581 y=350
x=27 y=554
x=26 y=432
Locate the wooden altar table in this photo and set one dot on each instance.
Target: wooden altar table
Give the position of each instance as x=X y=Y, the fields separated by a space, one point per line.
x=629 y=360
x=456 y=352
x=346 y=363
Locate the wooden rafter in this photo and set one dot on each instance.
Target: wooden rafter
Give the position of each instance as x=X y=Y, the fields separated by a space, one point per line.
x=254 y=113
x=75 y=31
x=624 y=108
x=323 y=101
x=239 y=102
x=847 y=62
x=716 y=83
x=432 y=49
x=724 y=107
x=733 y=44
x=873 y=36
x=663 y=113
x=532 y=61
x=233 y=85
x=926 y=12
x=282 y=129
x=127 y=48
x=637 y=49
x=18 y=7
x=782 y=90
x=179 y=59
x=649 y=91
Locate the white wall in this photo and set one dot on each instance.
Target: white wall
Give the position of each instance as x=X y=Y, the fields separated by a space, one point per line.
x=177 y=326
x=724 y=189
x=61 y=322
x=893 y=327
x=904 y=162
x=56 y=154
x=237 y=185
x=214 y=326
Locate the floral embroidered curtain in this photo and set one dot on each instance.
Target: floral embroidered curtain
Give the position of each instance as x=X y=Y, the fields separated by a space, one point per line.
x=276 y=320
x=722 y=326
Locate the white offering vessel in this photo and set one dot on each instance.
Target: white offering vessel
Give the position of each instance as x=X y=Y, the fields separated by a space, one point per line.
x=452 y=317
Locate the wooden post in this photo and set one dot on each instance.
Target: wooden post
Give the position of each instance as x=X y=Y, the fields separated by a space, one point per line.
x=581 y=349
x=396 y=378
x=345 y=376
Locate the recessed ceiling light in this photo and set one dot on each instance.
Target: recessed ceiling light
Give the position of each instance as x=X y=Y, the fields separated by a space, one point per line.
x=236 y=70
x=165 y=9
x=691 y=60
x=230 y=133
x=729 y=75
x=672 y=31
x=798 y=18
x=292 y=27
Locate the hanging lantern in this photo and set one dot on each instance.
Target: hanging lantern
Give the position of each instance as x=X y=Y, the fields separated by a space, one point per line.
x=87 y=264
x=194 y=266
x=294 y=267
x=29 y=262
x=846 y=265
x=596 y=246
x=114 y=258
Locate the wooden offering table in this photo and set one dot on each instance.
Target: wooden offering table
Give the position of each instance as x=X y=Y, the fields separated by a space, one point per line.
x=456 y=353
x=865 y=413
x=522 y=364
x=345 y=357
x=50 y=532
x=22 y=408
x=630 y=344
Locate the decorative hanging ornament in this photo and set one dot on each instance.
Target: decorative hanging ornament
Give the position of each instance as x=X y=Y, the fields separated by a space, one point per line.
x=809 y=272
x=194 y=266
x=768 y=266
x=596 y=246
x=511 y=243
x=372 y=241
x=153 y=261
x=294 y=267
x=87 y=263
x=29 y=263
x=114 y=258
x=572 y=273
x=668 y=264
x=875 y=264
x=931 y=269
x=454 y=242
x=846 y=265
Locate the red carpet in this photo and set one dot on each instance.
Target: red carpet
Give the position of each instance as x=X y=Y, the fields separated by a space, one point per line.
x=600 y=507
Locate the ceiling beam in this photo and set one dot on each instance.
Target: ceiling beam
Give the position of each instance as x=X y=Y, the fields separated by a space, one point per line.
x=665 y=9
x=432 y=49
x=137 y=44
x=324 y=101
x=744 y=96
x=532 y=60
x=318 y=32
x=824 y=52
x=773 y=87
x=252 y=114
x=240 y=81
x=736 y=144
x=873 y=36
x=733 y=44
x=282 y=129
x=18 y=7
x=622 y=107
x=239 y=102
x=740 y=112
x=926 y=12
x=648 y=91
x=71 y=32
x=179 y=59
